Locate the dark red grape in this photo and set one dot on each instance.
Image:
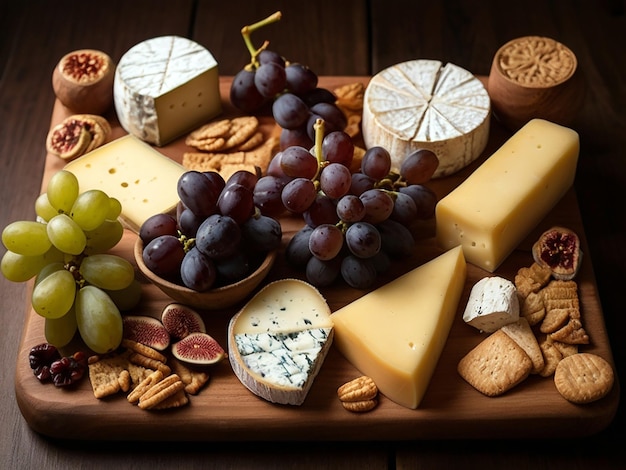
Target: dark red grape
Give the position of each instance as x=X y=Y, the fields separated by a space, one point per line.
x=218 y=237
x=244 y=94
x=198 y=193
x=298 y=195
x=419 y=166
x=363 y=240
x=289 y=111
x=262 y=234
x=300 y=78
x=298 y=162
x=163 y=256
x=376 y=163
x=267 y=197
x=322 y=211
x=270 y=79
x=157 y=225
x=337 y=147
x=237 y=202
x=197 y=271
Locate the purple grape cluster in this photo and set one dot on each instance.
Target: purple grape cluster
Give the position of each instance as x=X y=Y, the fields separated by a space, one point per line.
x=291 y=89
x=217 y=237
x=355 y=223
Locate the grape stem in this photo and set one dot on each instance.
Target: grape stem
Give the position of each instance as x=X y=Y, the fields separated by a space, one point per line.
x=246 y=33
x=319 y=138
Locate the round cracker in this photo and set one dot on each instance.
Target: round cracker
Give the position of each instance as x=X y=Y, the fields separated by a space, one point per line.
x=583 y=378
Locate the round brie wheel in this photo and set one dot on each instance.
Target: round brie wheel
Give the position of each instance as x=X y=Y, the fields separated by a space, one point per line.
x=426 y=104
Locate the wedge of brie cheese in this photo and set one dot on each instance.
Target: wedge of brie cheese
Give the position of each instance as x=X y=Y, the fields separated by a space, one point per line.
x=426 y=104
x=279 y=340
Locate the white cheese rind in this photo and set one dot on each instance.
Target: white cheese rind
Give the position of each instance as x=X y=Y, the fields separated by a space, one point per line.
x=426 y=104
x=165 y=87
x=279 y=340
x=492 y=304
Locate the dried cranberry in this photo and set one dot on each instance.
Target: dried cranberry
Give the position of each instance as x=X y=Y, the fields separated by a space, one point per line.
x=69 y=369
x=41 y=358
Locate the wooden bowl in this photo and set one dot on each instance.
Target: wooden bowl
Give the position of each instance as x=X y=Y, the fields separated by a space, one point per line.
x=535 y=77
x=214 y=299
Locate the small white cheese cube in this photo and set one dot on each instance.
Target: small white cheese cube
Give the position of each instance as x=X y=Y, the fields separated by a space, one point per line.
x=492 y=304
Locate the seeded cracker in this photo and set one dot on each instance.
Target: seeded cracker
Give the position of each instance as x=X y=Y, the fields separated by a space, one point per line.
x=495 y=365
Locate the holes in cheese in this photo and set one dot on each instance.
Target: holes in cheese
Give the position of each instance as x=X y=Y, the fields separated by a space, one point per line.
x=395 y=334
x=497 y=206
x=141 y=178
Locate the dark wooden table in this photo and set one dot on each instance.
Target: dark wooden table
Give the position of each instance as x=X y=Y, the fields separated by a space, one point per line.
x=349 y=37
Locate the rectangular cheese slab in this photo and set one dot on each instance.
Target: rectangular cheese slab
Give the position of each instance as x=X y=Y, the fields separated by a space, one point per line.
x=395 y=334
x=494 y=209
x=128 y=169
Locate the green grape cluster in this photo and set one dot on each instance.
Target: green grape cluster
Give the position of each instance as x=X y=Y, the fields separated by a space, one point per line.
x=66 y=252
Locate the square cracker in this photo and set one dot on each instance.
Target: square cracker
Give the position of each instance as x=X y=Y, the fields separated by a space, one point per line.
x=495 y=365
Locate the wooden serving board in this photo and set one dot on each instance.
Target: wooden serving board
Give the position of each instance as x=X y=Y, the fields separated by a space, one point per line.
x=226 y=411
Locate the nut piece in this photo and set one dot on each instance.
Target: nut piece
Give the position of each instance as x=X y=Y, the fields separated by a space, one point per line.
x=559 y=249
x=359 y=389
x=359 y=395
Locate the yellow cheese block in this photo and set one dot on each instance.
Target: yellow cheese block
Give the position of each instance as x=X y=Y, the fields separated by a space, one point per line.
x=494 y=209
x=395 y=334
x=128 y=169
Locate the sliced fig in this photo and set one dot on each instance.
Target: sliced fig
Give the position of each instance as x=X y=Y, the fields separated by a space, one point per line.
x=199 y=349
x=146 y=330
x=68 y=140
x=180 y=321
x=559 y=249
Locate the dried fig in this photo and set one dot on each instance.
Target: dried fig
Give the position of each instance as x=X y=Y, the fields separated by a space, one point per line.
x=83 y=81
x=180 y=321
x=199 y=349
x=146 y=330
x=559 y=249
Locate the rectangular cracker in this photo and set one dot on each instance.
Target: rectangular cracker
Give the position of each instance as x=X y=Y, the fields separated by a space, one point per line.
x=521 y=332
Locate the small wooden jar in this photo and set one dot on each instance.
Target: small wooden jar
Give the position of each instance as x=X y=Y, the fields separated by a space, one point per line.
x=535 y=77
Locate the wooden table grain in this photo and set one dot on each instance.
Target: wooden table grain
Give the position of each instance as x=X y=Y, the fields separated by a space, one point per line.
x=349 y=37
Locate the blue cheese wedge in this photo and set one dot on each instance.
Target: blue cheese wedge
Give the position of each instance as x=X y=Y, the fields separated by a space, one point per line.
x=278 y=341
x=492 y=303
x=165 y=87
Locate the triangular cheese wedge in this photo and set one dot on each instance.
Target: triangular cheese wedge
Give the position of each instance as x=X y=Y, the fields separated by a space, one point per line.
x=279 y=340
x=395 y=334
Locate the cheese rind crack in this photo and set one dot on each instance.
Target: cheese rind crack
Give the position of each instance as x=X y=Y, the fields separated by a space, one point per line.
x=497 y=206
x=396 y=333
